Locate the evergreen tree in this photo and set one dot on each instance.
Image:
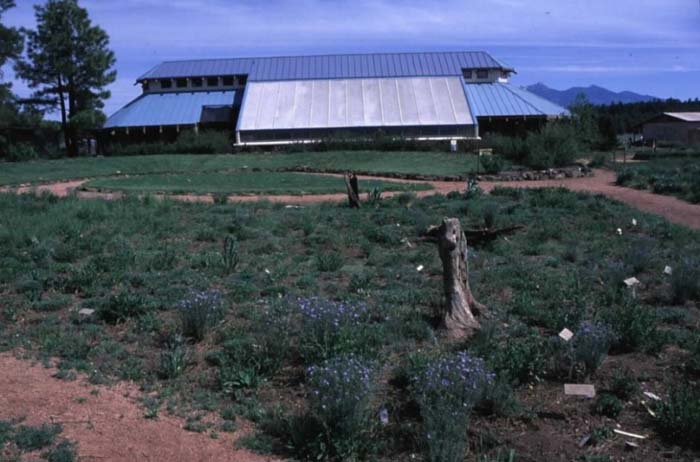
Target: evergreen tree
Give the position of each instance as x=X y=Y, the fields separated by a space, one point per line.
x=69 y=60
x=10 y=48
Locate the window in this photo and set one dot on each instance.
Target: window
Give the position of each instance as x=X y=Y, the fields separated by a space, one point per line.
x=166 y=83
x=228 y=81
x=181 y=83
x=242 y=79
x=212 y=81
x=145 y=85
x=482 y=74
x=468 y=74
x=197 y=82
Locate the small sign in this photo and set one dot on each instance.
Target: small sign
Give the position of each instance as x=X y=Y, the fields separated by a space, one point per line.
x=419 y=268
x=574 y=389
x=566 y=335
x=634 y=222
x=86 y=312
x=631 y=282
x=668 y=270
x=619 y=231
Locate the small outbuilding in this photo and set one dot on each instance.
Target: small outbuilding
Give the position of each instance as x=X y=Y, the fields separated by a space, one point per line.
x=674 y=127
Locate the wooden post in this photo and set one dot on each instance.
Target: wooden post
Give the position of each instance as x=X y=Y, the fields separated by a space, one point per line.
x=353 y=191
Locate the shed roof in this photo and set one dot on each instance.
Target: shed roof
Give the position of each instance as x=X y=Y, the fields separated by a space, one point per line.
x=685 y=116
x=343 y=66
x=156 y=109
x=503 y=100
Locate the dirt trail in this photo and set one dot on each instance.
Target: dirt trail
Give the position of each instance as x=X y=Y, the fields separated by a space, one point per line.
x=108 y=425
x=603 y=182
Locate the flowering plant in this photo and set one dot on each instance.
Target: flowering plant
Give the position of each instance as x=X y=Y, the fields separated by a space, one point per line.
x=199 y=310
x=446 y=392
x=339 y=395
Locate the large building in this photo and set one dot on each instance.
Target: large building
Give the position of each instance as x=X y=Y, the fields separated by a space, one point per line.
x=275 y=100
x=674 y=127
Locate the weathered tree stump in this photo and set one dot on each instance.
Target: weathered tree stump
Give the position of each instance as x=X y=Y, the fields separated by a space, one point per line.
x=353 y=191
x=458 y=314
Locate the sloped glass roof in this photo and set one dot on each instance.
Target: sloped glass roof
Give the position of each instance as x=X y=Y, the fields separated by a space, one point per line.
x=347 y=103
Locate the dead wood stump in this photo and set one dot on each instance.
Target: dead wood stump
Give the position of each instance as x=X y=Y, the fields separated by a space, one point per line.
x=353 y=189
x=458 y=314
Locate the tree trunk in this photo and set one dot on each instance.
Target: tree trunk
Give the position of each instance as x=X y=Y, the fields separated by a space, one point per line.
x=64 y=118
x=458 y=315
x=353 y=191
x=72 y=110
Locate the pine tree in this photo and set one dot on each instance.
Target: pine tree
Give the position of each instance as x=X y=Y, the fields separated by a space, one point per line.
x=69 y=60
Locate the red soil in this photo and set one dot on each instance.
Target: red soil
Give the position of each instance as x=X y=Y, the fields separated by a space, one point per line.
x=105 y=422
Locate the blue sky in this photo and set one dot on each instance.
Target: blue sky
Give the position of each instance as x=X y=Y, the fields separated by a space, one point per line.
x=647 y=46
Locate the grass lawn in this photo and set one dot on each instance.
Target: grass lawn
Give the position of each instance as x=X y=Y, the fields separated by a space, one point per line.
x=269 y=283
x=244 y=183
x=678 y=177
x=427 y=163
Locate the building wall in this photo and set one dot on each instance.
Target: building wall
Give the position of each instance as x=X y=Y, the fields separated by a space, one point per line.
x=676 y=132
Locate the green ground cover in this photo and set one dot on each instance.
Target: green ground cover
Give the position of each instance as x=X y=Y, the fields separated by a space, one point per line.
x=679 y=177
x=287 y=299
x=425 y=163
x=244 y=183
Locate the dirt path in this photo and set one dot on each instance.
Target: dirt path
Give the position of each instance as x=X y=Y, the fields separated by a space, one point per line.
x=105 y=422
x=674 y=210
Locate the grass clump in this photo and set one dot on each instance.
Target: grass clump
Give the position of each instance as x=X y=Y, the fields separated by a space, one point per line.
x=685 y=281
x=35 y=438
x=199 y=311
x=608 y=405
x=678 y=417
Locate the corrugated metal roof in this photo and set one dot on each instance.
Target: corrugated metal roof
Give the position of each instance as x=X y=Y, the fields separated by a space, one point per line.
x=685 y=116
x=437 y=64
x=155 y=109
x=503 y=100
x=347 y=103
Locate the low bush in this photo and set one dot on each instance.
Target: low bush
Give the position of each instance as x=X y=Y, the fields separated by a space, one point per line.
x=329 y=262
x=590 y=346
x=678 y=417
x=685 y=281
x=122 y=306
x=35 y=438
x=624 y=385
x=608 y=405
x=634 y=327
x=492 y=164
x=446 y=392
x=199 y=311
x=339 y=397
x=64 y=452
x=173 y=360
x=21 y=152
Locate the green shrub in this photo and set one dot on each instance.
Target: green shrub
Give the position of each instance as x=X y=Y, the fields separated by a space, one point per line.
x=553 y=146
x=492 y=164
x=678 y=417
x=122 y=306
x=624 y=385
x=64 y=452
x=21 y=152
x=329 y=262
x=634 y=326
x=685 y=281
x=35 y=438
x=230 y=254
x=608 y=405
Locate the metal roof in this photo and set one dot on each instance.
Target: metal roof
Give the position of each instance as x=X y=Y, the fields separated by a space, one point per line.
x=685 y=116
x=503 y=100
x=347 y=66
x=155 y=109
x=347 y=103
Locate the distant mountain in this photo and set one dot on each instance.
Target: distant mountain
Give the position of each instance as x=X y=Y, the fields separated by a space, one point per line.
x=595 y=94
